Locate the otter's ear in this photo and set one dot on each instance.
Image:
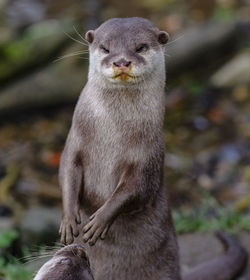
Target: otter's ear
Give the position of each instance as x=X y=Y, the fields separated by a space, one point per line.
x=89 y=36
x=163 y=37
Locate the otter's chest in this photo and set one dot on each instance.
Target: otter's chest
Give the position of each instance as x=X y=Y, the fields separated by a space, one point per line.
x=112 y=145
x=117 y=140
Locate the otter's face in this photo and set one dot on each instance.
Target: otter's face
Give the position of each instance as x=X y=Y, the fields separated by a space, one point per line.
x=69 y=263
x=126 y=51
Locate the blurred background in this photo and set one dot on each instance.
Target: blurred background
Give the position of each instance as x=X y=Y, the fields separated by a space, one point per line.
x=43 y=67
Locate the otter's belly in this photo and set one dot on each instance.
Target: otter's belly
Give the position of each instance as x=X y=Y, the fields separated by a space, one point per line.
x=139 y=247
x=107 y=153
x=99 y=175
x=142 y=249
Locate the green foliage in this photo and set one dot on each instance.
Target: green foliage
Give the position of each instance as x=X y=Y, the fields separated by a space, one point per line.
x=11 y=269
x=156 y=5
x=209 y=218
x=224 y=14
x=14 y=270
x=37 y=44
x=195 y=87
x=6 y=238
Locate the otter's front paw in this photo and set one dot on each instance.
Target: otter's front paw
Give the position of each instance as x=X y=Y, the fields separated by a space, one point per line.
x=97 y=227
x=69 y=228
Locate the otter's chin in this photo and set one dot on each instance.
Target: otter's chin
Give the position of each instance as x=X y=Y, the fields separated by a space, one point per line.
x=124 y=79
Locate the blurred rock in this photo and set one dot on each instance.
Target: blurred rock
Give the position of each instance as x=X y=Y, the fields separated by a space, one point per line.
x=206 y=182
x=245 y=241
x=173 y=161
x=5 y=211
x=246 y=174
x=243 y=204
x=40 y=224
x=58 y=83
x=5 y=34
x=235 y=72
x=38 y=44
x=175 y=97
x=172 y=23
x=6 y=218
x=200 y=44
x=197 y=248
x=224 y=171
x=3 y=4
x=22 y=13
x=241 y=93
x=201 y=10
x=200 y=123
x=6 y=31
x=14 y=153
x=177 y=162
x=217 y=115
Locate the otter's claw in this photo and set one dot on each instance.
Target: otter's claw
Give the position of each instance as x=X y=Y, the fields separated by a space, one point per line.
x=96 y=228
x=69 y=229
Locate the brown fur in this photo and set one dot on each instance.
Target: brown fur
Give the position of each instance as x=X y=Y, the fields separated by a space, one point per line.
x=75 y=266
x=69 y=263
x=111 y=172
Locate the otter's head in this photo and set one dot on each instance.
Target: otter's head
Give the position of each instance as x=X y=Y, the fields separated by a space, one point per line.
x=69 y=263
x=126 y=51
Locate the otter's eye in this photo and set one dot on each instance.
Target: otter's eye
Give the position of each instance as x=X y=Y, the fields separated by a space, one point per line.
x=105 y=50
x=142 y=48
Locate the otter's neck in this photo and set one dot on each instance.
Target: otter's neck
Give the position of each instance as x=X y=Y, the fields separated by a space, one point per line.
x=146 y=99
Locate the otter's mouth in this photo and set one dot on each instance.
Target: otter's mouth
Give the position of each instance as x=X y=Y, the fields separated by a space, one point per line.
x=123 y=76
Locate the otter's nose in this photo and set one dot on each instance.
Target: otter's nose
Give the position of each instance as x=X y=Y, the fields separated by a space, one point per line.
x=122 y=63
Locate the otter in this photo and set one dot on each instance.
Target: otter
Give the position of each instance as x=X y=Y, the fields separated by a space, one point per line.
x=111 y=169
x=69 y=263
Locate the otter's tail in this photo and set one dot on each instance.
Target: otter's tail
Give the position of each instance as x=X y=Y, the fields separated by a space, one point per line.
x=225 y=267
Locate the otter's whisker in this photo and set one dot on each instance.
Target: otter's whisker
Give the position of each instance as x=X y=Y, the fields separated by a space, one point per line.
x=72 y=38
x=84 y=40
x=34 y=258
x=56 y=245
x=176 y=39
x=39 y=254
x=69 y=55
x=38 y=257
x=85 y=58
x=60 y=245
